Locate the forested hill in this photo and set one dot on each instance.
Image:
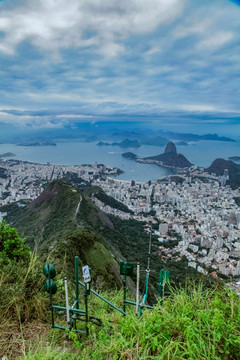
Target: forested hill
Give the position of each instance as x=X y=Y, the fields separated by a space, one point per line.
x=65 y=222
x=56 y=223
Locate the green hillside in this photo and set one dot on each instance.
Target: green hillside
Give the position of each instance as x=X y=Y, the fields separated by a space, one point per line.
x=62 y=216
x=60 y=222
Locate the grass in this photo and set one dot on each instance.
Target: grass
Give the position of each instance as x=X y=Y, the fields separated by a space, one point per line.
x=192 y=323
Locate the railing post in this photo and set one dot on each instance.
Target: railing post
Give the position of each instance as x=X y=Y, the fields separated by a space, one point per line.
x=86 y=293
x=76 y=283
x=137 y=287
x=124 y=293
x=67 y=303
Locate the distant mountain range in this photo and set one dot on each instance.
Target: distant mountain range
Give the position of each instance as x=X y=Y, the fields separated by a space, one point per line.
x=143 y=139
x=194 y=137
x=37 y=143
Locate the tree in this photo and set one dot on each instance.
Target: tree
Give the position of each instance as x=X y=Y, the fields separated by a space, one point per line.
x=12 y=247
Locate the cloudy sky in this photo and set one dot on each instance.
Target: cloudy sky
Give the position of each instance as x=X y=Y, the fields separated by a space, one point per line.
x=70 y=61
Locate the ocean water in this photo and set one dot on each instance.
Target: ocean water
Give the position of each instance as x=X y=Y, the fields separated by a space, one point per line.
x=201 y=153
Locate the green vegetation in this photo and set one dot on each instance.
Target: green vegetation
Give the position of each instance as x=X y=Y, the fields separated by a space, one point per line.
x=12 y=247
x=65 y=223
x=192 y=322
x=47 y=218
x=89 y=248
x=108 y=200
x=73 y=179
x=52 y=223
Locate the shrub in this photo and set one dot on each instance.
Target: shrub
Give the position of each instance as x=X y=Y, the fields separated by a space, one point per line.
x=12 y=247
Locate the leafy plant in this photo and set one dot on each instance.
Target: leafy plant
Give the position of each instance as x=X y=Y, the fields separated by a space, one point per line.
x=12 y=246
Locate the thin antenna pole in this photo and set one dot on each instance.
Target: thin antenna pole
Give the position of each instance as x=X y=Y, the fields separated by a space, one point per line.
x=76 y=283
x=148 y=266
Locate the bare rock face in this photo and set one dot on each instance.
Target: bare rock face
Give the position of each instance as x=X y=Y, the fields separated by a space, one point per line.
x=170 y=148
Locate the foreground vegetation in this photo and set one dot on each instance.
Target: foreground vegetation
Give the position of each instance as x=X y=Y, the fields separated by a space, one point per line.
x=191 y=323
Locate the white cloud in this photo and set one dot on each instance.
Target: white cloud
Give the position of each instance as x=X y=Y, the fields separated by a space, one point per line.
x=199 y=28
x=216 y=40
x=73 y=116
x=53 y=25
x=197 y=107
x=153 y=50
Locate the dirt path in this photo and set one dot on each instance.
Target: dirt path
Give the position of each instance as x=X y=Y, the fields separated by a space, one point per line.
x=78 y=206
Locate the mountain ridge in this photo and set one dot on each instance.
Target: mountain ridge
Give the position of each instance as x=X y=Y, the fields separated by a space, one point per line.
x=54 y=223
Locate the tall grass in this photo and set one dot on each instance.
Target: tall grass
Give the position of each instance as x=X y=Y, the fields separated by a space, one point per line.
x=21 y=295
x=192 y=323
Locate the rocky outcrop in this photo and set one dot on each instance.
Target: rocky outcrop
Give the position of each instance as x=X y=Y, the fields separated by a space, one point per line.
x=170 y=148
x=171 y=158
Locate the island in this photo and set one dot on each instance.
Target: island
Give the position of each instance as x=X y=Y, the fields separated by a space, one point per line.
x=5 y=155
x=130 y=156
x=126 y=143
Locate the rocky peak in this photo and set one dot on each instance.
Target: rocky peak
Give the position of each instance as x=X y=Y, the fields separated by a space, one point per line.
x=170 y=148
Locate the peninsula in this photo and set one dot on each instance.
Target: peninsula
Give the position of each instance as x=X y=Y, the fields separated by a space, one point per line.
x=170 y=158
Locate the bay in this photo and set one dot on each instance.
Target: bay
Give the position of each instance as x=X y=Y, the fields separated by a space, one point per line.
x=201 y=153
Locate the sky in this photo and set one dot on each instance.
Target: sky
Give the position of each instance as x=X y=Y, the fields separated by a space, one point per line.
x=163 y=61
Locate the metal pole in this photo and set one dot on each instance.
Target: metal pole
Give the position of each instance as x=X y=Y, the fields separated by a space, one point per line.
x=86 y=292
x=148 y=266
x=76 y=283
x=149 y=248
x=51 y=301
x=147 y=279
x=137 y=287
x=102 y=298
x=124 y=293
x=67 y=303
